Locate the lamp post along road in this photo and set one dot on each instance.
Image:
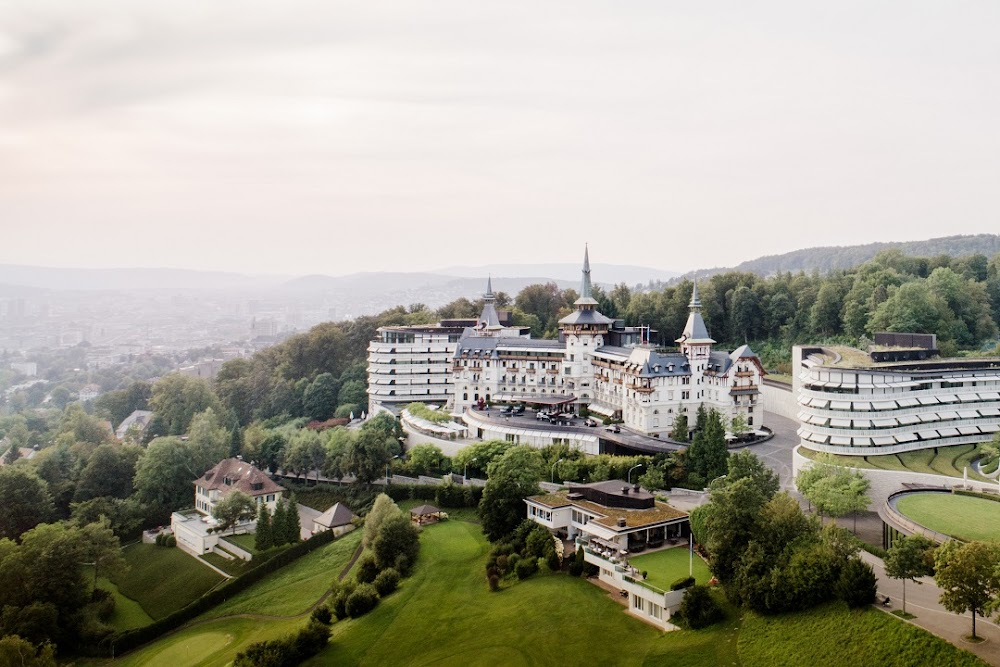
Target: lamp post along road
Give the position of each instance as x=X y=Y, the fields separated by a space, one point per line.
x=552 y=477
x=637 y=465
x=465 y=473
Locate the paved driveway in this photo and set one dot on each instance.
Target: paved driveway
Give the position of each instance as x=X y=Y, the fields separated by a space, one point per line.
x=306 y=516
x=777 y=452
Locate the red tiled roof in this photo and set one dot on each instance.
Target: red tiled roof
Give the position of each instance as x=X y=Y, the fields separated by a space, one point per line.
x=240 y=475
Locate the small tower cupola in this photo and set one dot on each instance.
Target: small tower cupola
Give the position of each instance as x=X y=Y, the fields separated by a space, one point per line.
x=586 y=317
x=695 y=337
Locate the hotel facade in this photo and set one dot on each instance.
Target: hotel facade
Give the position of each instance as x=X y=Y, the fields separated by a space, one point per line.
x=596 y=362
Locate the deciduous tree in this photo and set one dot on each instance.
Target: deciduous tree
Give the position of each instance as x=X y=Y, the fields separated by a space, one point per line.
x=967 y=577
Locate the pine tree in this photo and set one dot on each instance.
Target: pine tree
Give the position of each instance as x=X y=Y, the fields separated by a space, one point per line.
x=680 y=430
x=279 y=525
x=264 y=538
x=293 y=527
x=235 y=442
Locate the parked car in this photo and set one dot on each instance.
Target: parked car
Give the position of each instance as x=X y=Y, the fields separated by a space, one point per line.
x=590 y=422
x=508 y=410
x=542 y=414
x=614 y=428
x=519 y=410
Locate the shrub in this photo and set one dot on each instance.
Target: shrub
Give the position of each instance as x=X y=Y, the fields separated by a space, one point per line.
x=526 y=567
x=512 y=562
x=857 y=584
x=171 y=541
x=386 y=582
x=699 y=608
x=552 y=559
x=103 y=603
x=367 y=569
x=575 y=569
x=343 y=592
x=361 y=601
x=322 y=615
x=503 y=565
x=494 y=582
x=159 y=539
x=684 y=582
x=290 y=650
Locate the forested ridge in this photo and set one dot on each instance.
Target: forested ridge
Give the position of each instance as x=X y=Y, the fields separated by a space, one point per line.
x=958 y=298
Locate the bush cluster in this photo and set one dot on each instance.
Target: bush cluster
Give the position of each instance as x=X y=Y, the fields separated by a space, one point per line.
x=699 y=609
x=683 y=582
x=291 y=650
x=521 y=553
x=166 y=540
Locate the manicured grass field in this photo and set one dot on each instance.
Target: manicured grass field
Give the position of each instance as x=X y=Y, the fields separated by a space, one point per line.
x=128 y=614
x=832 y=634
x=163 y=579
x=245 y=541
x=296 y=587
x=445 y=614
x=665 y=567
x=964 y=517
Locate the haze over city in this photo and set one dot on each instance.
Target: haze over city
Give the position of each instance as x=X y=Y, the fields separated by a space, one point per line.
x=340 y=137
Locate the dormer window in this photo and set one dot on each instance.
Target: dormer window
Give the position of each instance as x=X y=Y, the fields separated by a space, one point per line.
x=228 y=481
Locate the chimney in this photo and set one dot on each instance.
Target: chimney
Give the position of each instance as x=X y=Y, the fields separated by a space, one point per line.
x=621 y=522
x=625 y=490
x=636 y=488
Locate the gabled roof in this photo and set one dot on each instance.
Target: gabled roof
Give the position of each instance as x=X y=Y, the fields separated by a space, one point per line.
x=742 y=352
x=336 y=516
x=231 y=474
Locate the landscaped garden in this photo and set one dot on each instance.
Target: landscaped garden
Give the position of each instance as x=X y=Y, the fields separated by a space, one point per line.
x=965 y=517
x=949 y=461
x=445 y=614
x=663 y=568
x=163 y=579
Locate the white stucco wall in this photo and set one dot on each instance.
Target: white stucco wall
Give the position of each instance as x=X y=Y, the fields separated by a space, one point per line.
x=780 y=401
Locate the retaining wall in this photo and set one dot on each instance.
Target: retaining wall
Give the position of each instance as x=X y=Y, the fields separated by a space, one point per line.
x=780 y=399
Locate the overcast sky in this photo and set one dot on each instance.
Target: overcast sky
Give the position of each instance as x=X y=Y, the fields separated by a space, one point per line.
x=328 y=137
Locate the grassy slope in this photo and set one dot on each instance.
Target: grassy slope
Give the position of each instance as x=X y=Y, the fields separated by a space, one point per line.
x=128 y=614
x=958 y=516
x=293 y=589
x=214 y=642
x=666 y=567
x=162 y=579
x=445 y=614
x=834 y=635
x=949 y=461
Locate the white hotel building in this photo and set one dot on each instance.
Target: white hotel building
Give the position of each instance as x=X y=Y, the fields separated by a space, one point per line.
x=596 y=362
x=893 y=398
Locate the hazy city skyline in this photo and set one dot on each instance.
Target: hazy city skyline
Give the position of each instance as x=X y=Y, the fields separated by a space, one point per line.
x=336 y=137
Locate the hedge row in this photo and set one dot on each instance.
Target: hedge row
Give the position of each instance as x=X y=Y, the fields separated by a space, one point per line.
x=444 y=495
x=977 y=494
x=131 y=639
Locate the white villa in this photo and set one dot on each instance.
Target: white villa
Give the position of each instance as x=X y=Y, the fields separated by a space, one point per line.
x=611 y=520
x=596 y=362
x=195 y=531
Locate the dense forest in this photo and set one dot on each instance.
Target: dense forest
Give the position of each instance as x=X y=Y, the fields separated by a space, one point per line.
x=833 y=258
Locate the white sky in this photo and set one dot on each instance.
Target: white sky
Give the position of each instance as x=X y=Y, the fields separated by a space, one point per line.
x=330 y=137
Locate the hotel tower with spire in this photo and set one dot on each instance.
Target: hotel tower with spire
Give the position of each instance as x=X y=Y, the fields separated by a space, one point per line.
x=596 y=362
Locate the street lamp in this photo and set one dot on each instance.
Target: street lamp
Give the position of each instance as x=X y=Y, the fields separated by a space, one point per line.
x=465 y=473
x=716 y=480
x=552 y=479
x=637 y=465
x=387 y=468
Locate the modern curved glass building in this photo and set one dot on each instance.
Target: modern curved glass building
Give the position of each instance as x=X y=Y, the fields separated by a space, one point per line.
x=893 y=398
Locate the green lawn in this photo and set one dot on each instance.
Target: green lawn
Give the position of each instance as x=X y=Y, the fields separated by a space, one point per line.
x=445 y=614
x=665 y=567
x=835 y=635
x=128 y=614
x=245 y=541
x=163 y=579
x=964 y=517
x=295 y=588
x=949 y=461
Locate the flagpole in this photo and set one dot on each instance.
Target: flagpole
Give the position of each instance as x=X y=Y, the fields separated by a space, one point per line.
x=690 y=554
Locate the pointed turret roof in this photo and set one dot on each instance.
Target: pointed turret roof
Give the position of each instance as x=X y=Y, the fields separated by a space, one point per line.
x=489 y=319
x=585 y=312
x=695 y=330
x=586 y=291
